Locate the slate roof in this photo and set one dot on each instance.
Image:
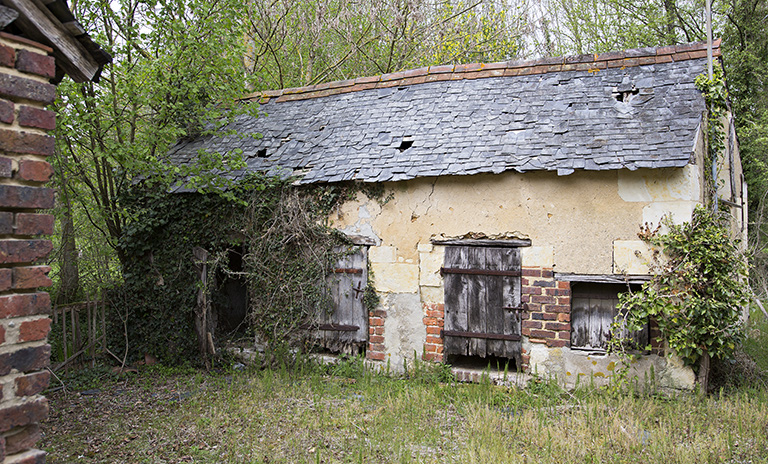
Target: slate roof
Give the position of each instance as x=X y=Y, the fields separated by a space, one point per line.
x=557 y=114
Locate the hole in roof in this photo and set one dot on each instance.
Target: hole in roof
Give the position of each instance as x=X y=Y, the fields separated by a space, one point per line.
x=405 y=144
x=262 y=153
x=625 y=95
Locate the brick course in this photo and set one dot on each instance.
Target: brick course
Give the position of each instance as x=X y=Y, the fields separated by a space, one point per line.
x=24 y=324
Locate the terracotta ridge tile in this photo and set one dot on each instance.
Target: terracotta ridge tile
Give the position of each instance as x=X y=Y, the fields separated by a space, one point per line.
x=586 y=62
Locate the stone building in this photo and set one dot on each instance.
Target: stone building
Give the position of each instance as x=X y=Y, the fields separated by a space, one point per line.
x=516 y=191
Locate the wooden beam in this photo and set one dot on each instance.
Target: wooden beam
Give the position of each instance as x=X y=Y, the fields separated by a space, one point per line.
x=41 y=25
x=603 y=278
x=483 y=242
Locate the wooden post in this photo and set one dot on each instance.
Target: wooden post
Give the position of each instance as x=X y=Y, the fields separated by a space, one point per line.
x=204 y=344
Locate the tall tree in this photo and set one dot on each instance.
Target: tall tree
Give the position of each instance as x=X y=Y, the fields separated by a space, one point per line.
x=300 y=42
x=177 y=64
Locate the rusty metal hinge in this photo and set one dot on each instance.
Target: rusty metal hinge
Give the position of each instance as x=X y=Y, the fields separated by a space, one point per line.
x=488 y=272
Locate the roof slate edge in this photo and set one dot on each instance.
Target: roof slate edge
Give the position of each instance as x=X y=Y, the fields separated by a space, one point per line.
x=589 y=62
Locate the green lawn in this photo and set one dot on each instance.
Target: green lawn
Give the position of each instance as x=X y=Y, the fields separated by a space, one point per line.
x=351 y=416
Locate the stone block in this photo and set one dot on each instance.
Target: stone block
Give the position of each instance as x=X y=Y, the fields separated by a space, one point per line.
x=34 y=171
x=25 y=360
x=6 y=111
x=538 y=256
x=34 y=330
x=23 y=251
x=26 y=304
x=396 y=277
x=22 y=440
x=7 y=56
x=16 y=196
x=26 y=142
x=32 y=384
x=429 y=268
x=31 y=277
x=382 y=254
x=631 y=257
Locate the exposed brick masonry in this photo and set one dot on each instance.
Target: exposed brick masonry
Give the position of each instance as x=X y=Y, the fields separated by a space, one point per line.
x=24 y=169
x=376 y=351
x=547 y=318
x=434 y=320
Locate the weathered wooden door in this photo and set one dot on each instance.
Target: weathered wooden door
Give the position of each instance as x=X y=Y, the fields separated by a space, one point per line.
x=593 y=310
x=482 y=301
x=344 y=329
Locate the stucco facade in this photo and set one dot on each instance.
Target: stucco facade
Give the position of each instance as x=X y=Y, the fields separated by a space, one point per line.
x=549 y=166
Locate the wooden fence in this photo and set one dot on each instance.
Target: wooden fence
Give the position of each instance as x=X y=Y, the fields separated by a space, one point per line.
x=83 y=332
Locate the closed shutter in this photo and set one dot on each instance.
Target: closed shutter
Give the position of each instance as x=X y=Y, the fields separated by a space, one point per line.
x=482 y=301
x=344 y=329
x=593 y=310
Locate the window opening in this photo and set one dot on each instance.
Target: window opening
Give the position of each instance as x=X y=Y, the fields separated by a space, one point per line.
x=593 y=310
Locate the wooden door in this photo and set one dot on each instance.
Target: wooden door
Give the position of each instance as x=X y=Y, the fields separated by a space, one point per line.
x=344 y=328
x=482 y=301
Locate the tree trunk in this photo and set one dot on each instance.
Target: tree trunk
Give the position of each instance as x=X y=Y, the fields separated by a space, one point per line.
x=69 y=272
x=703 y=377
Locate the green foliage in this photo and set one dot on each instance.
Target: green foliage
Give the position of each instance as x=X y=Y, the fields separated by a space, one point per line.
x=716 y=96
x=698 y=289
x=287 y=252
x=294 y=43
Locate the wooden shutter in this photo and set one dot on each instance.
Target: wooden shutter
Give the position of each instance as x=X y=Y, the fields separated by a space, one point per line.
x=593 y=309
x=344 y=328
x=482 y=301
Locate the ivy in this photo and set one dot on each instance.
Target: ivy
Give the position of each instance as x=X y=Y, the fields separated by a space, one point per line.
x=716 y=98
x=697 y=292
x=287 y=251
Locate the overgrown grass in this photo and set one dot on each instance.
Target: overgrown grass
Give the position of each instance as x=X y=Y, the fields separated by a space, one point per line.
x=305 y=414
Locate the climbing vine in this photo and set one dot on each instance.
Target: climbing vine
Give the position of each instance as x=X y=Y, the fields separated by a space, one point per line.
x=697 y=291
x=287 y=250
x=715 y=95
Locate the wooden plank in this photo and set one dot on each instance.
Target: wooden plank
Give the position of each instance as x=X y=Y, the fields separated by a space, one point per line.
x=455 y=300
x=483 y=242
x=476 y=301
x=512 y=287
x=481 y=271
x=603 y=278
x=484 y=336
x=494 y=298
x=344 y=329
x=44 y=27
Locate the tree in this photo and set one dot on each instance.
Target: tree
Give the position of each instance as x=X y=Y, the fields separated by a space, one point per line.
x=697 y=292
x=299 y=42
x=177 y=68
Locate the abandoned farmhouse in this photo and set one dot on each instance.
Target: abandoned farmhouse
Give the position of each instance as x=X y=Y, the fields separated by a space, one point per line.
x=516 y=191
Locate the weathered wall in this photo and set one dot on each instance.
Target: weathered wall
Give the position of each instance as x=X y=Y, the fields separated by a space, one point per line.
x=25 y=69
x=584 y=223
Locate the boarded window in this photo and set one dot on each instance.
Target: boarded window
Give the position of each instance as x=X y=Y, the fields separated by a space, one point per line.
x=482 y=301
x=593 y=309
x=344 y=328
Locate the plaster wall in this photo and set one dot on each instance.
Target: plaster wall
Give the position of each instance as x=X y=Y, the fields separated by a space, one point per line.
x=584 y=223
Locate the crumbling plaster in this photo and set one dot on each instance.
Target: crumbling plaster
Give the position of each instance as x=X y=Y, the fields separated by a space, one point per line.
x=581 y=216
x=584 y=223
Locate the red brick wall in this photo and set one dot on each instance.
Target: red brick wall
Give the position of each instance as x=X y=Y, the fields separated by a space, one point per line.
x=547 y=318
x=25 y=68
x=434 y=321
x=375 y=351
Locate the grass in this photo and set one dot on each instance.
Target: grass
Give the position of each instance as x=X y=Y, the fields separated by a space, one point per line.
x=307 y=415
